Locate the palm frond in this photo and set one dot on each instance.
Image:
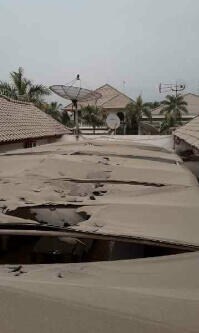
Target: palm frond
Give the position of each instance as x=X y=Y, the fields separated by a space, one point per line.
x=38 y=90
x=165 y=109
x=7 y=90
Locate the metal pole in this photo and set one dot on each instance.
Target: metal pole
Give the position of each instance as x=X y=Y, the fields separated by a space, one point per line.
x=76 y=120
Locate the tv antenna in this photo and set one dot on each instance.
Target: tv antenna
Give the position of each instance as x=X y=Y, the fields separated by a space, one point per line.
x=75 y=93
x=124 y=86
x=169 y=87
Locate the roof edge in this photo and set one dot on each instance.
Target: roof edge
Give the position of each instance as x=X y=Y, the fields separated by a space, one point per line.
x=17 y=101
x=118 y=91
x=104 y=85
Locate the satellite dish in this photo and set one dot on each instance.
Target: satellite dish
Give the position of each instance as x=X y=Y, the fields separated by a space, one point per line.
x=113 y=121
x=75 y=94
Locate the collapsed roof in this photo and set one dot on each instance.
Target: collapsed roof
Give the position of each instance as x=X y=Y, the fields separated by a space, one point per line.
x=137 y=184
x=127 y=190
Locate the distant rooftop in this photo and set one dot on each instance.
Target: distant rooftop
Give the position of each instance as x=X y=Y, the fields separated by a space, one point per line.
x=111 y=99
x=193 y=105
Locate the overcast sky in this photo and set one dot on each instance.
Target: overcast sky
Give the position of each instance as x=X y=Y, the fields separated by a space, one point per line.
x=141 y=42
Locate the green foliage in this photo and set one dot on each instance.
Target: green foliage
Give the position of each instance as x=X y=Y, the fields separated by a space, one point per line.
x=21 y=88
x=65 y=119
x=153 y=105
x=55 y=110
x=168 y=122
x=134 y=114
x=173 y=108
x=91 y=115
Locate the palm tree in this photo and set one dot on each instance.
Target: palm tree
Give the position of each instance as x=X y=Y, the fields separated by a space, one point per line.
x=134 y=114
x=66 y=120
x=91 y=115
x=154 y=105
x=168 y=123
x=54 y=110
x=21 y=88
x=174 y=106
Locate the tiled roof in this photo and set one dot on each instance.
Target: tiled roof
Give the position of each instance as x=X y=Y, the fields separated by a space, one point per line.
x=20 y=120
x=111 y=99
x=193 y=105
x=189 y=132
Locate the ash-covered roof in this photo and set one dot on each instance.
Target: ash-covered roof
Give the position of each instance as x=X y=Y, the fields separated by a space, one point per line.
x=144 y=295
x=189 y=132
x=142 y=193
x=111 y=99
x=138 y=184
x=21 y=120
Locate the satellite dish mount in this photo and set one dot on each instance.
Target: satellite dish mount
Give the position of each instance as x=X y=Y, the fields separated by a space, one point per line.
x=74 y=105
x=75 y=93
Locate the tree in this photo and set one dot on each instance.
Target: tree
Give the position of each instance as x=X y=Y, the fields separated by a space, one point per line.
x=153 y=105
x=66 y=120
x=54 y=109
x=91 y=115
x=21 y=88
x=168 y=122
x=134 y=114
x=174 y=106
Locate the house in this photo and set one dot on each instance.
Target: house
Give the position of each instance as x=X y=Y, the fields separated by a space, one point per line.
x=23 y=125
x=114 y=101
x=111 y=101
x=192 y=106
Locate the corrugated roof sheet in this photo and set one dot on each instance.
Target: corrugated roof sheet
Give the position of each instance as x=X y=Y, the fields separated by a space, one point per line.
x=147 y=295
x=147 y=193
x=20 y=120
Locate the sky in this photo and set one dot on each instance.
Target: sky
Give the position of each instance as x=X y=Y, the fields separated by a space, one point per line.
x=131 y=44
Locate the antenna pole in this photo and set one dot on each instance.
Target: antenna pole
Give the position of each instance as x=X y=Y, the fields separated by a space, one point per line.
x=124 y=86
x=177 y=88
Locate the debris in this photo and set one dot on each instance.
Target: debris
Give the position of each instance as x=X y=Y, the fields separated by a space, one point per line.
x=19 y=273
x=99 y=193
x=60 y=275
x=98 y=185
x=15 y=268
